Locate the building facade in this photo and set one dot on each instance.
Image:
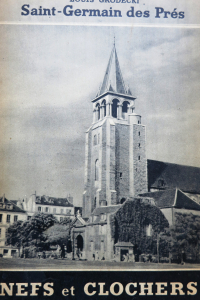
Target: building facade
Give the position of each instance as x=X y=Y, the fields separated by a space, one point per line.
x=9 y=213
x=59 y=207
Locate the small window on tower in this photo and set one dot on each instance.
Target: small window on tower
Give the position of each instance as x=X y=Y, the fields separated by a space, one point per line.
x=120 y=175
x=95 y=202
x=139 y=157
x=139 y=145
x=138 y=122
x=139 y=133
x=96 y=170
x=95 y=140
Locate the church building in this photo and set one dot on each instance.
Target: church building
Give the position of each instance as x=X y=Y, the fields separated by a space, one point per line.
x=126 y=197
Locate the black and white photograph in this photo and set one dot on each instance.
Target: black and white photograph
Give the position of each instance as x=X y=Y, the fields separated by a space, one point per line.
x=100 y=160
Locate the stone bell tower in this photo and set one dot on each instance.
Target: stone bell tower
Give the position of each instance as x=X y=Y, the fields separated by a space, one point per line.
x=115 y=154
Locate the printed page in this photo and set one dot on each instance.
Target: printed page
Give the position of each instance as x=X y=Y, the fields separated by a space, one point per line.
x=100 y=160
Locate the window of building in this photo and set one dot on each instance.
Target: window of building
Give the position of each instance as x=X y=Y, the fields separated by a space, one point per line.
x=95 y=202
x=139 y=145
x=120 y=175
x=104 y=107
x=149 y=230
x=1 y=218
x=123 y=200
x=95 y=140
x=5 y=251
x=29 y=217
x=96 y=170
x=139 y=157
x=54 y=210
x=114 y=108
x=62 y=211
x=139 y=133
x=98 y=111
x=8 y=219
x=15 y=218
x=125 y=109
x=161 y=182
x=138 y=122
x=61 y=219
x=46 y=209
x=39 y=208
x=0 y=232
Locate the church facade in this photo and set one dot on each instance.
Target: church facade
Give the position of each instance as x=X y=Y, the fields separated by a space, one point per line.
x=126 y=197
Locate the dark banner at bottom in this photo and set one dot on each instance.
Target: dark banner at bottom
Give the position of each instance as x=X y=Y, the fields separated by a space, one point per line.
x=100 y=284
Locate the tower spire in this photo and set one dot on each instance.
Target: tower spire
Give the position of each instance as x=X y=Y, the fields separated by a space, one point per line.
x=113 y=76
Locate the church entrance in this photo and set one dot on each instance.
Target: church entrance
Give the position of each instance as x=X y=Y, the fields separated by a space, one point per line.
x=79 y=240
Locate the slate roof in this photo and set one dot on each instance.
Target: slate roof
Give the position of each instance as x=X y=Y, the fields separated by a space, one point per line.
x=105 y=209
x=5 y=204
x=174 y=198
x=45 y=200
x=164 y=175
x=113 y=80
x=163 y=199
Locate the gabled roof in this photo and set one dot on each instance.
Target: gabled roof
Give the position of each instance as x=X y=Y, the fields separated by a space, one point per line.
x=113 y=80
x=163 y=199
x=174 y=198
x=105 y=209
x=45 y=200
x=9 y=206
x=162 y=175
x=78 y=221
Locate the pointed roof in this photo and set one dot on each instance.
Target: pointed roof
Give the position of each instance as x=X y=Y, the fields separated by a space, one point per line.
x=113 y=80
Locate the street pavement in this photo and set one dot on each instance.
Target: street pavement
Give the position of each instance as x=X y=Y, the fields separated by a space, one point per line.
x=67 y=264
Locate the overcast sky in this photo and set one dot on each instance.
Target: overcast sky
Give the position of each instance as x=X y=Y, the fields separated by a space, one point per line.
x=50 y=74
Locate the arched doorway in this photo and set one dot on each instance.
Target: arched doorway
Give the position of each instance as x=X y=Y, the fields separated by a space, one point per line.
x=79 y=242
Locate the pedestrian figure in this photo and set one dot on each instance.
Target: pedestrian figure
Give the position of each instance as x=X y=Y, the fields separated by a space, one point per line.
x=78 y=254
x=63 y=251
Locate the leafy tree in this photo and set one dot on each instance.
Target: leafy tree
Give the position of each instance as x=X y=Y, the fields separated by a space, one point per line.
x=183 y=236
x=29 y=232
x=58 y=234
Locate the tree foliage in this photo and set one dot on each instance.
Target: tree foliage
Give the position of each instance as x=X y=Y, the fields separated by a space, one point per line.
x=29 y=232
x=58 y=234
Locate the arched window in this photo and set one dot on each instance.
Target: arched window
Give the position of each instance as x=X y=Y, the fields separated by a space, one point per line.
x=98 y=111
x=124 y=109
x=96 y=170
x=104 y=107
x=114 y=108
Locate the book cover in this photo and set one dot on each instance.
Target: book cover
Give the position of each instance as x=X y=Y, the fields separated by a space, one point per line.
x=100 y=161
